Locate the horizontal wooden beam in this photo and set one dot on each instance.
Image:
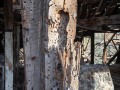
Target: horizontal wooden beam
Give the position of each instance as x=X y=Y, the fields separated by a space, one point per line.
x=93 y=1
x=99 y=21
x=89 y=1
x=97 y=29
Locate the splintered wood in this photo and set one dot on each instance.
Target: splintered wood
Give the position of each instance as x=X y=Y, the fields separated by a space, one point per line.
x=62 y=56
x=58 y=61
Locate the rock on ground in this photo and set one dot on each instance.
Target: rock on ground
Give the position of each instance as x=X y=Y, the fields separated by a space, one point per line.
x=95 y=77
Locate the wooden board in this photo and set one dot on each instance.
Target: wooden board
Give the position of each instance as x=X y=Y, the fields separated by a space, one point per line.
x=31 y=17
x=8 y=16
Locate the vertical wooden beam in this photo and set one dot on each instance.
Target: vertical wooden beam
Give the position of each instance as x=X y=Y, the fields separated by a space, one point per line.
x=16 y=47
x=118 y=57
x=92 y=48
x=105 y=46
x=105 y=50
x=61 y=56
x=8 y=17
x=31 y=17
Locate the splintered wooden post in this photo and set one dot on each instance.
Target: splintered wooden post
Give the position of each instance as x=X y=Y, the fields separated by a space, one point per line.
x=61 y=56
x=8 y=17
x=31 y=17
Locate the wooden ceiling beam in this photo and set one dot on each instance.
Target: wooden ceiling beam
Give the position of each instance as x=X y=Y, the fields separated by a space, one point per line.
x=90 y=1
x=99 y=21
x=99 y=29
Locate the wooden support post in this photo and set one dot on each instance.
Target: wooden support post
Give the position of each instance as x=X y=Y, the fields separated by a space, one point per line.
x=105 y=50
x=16 y=45
x=92 y=48
x=8 y=17
x=118 y=57
x=31 y=17
x=61 y=56
x=105 y=46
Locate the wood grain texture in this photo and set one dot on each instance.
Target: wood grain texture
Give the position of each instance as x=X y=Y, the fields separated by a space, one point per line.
x=61 y=56
x=8 y=17
x=31 y=39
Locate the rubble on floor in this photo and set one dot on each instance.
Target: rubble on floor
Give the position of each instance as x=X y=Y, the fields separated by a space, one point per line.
x=95 y=77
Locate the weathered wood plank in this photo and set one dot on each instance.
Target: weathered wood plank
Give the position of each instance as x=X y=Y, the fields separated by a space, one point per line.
x=31 y=39
x=8 y=16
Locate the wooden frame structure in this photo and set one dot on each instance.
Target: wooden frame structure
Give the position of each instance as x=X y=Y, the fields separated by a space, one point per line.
x=49 y=29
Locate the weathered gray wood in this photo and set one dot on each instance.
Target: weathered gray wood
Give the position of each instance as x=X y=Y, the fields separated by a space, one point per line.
x=31 y=37
x=8 y=16
x=61 y=56
x=8 y=61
